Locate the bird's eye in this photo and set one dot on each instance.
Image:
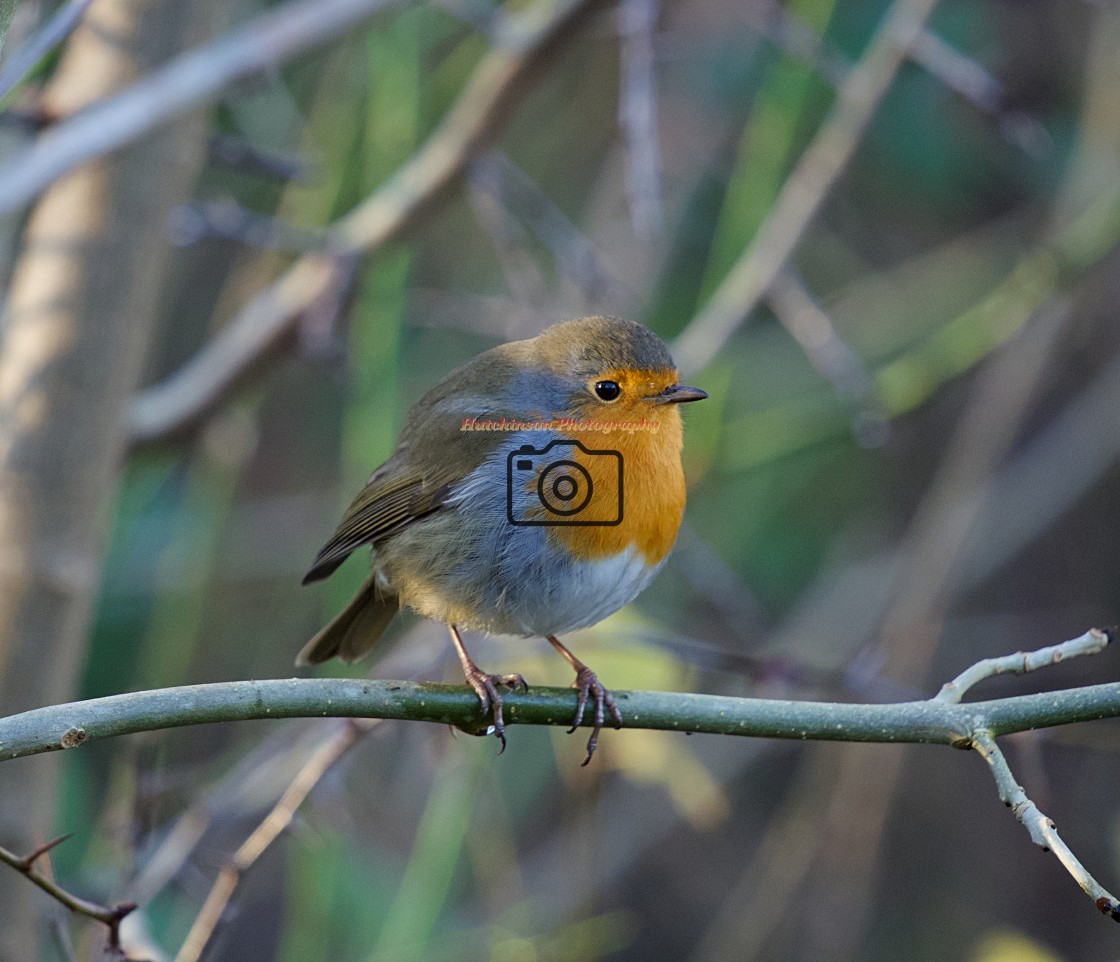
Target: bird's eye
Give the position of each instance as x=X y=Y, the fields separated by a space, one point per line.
x=607 y=390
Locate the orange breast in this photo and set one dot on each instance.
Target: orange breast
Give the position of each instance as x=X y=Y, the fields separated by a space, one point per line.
x=652 y=488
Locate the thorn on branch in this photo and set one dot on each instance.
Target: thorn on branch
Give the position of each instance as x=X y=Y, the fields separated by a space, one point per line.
x=28 y=860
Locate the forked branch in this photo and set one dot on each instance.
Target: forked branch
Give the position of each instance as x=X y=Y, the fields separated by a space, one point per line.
x=943 y=719
x=110 y=915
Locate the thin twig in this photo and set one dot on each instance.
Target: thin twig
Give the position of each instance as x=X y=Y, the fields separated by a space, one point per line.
x=264 y=835
x=1042 y=830
x=1093 y=642
x=208 y=219
x=795 y=37
x=519 y=40
x=190 y=80
x=57 y=29
x=805 y=190
x=110 y=916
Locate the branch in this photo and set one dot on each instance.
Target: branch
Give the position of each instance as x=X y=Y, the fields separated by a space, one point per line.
x=109 y=915
x=934 y=721
x=939 y=720
x=519 y=39
x=1042 y=830
x=1091 y=643
x=188 y=81
x=805 y=190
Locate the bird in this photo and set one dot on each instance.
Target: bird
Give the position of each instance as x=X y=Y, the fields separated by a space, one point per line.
x=533 y=491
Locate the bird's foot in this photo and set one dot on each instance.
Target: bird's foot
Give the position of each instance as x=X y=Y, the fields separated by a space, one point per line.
x=589 y=687
x=487 y=687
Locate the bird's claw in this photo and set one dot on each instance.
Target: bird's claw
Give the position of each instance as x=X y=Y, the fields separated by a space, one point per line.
x=589 y=687
x=486 y=687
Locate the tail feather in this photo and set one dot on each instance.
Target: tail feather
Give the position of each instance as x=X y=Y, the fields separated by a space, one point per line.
x=356 y=629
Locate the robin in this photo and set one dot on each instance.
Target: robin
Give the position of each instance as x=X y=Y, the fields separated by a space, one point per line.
x=533 y=491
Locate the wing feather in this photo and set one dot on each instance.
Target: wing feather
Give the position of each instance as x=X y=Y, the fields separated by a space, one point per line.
x=434 y=454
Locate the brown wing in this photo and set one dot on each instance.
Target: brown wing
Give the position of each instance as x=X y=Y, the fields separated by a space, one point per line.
x=386 y=504
x=409 y=486
x=433 y=455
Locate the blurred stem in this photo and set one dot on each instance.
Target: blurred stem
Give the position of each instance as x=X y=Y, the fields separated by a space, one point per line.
x=765 y=149
x=7 y=12
x=391 y=132
x=519 y=41
x=806 y=189
x=1051 y=269
x=435 y=853
x=278 y=821
x=177 y=87
x=186 y=568
x=315 y=879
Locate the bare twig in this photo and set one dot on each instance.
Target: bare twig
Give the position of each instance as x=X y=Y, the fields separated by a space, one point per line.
x=57 y=29
x=807 y=187
x=1092 y=642
x=192 y=79
x=796 y=38
x=519 y=40
x=264 y=835
x=1042 y=830
x=110 y=916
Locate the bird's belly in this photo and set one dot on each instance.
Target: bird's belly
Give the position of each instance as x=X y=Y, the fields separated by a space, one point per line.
x=511 y=580
x=565 y=595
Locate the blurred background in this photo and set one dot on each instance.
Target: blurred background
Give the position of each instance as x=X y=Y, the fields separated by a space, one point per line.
x=883 y=236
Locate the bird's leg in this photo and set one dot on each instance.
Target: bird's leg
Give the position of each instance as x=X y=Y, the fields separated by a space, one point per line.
x=588 y=686
x=486 y=685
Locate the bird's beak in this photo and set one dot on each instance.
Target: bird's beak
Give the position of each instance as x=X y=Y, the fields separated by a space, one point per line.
x=678 y=394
